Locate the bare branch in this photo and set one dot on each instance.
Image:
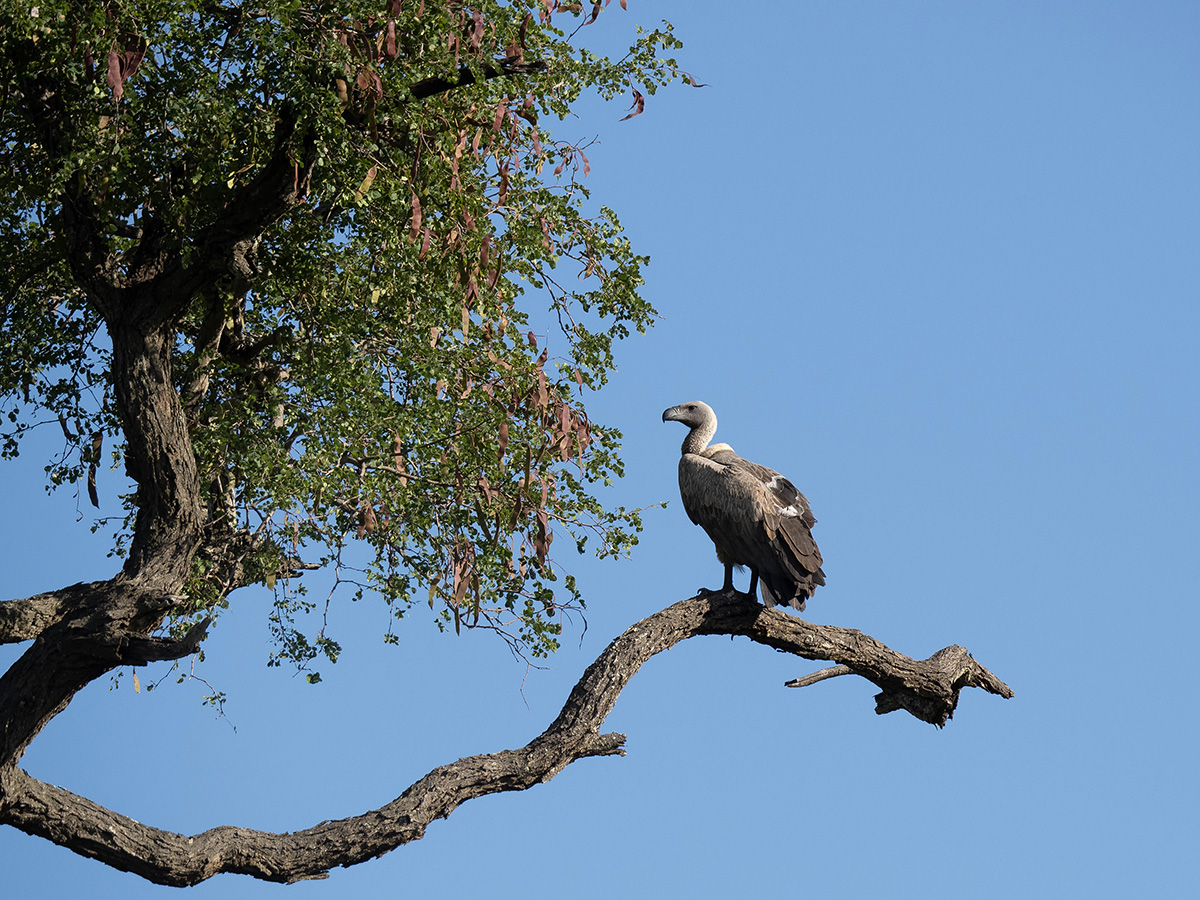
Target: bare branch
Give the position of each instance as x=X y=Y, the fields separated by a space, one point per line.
x=140 y=651
x=927 y=688
x=813 y=678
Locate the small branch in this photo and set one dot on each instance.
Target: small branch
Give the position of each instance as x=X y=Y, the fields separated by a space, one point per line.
x=140 y=651
x=227 y=552
x=806 y=680
x=124 y=229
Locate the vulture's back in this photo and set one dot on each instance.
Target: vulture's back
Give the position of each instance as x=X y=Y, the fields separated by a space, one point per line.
x=756 y=518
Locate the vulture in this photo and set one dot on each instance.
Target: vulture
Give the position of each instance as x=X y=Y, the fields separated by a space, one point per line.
x=754 y=515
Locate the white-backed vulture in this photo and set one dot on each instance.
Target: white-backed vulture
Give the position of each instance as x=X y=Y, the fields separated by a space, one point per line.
x=754 y=515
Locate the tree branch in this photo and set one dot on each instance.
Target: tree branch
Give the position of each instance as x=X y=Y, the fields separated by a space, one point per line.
x=25 y=619
x=512 y=65
x=813 y=678
x=228 y=246
x=141 y=651
x=927 y=688
x=29 y=617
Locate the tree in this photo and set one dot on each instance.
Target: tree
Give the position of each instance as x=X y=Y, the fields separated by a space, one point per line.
x=280 y=259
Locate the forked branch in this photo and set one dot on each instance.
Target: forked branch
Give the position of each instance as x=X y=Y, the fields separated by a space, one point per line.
x=927 y=688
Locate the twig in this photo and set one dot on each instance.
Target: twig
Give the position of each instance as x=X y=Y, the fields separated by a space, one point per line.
x=821 y=675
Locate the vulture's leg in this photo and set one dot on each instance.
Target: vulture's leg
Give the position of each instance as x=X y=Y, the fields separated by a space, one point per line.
x=753 y=592
x=726 y=588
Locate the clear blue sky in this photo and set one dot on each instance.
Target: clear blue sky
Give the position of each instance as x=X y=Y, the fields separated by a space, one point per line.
x=938 y=263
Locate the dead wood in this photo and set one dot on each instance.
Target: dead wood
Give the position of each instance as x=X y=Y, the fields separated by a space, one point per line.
x=928 y=689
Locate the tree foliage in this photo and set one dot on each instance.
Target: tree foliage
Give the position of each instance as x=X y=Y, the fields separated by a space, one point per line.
x=344 y=218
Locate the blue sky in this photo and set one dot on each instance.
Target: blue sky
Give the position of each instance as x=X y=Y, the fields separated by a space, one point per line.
x=937 y=262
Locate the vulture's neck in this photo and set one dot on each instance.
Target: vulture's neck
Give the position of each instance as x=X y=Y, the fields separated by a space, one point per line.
x=699 y=437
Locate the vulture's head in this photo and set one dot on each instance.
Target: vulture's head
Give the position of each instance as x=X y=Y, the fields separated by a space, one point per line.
x=694 y=414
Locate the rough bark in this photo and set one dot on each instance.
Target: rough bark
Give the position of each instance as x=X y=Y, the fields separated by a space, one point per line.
x=928 y=689
x=25 y=619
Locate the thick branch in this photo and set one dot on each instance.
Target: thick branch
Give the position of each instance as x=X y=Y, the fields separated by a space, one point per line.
x=25 y=619
x=93 y=635
x=87 y=631
x=29 y=617
x=101 y=629
x=927 y=688
x=493 y=69
x=228 y=247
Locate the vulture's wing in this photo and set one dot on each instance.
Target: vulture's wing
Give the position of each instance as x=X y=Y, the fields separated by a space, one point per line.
x=784 y=496
x=786 y=516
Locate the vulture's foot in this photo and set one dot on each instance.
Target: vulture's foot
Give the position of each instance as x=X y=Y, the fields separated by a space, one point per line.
x=724 y=592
